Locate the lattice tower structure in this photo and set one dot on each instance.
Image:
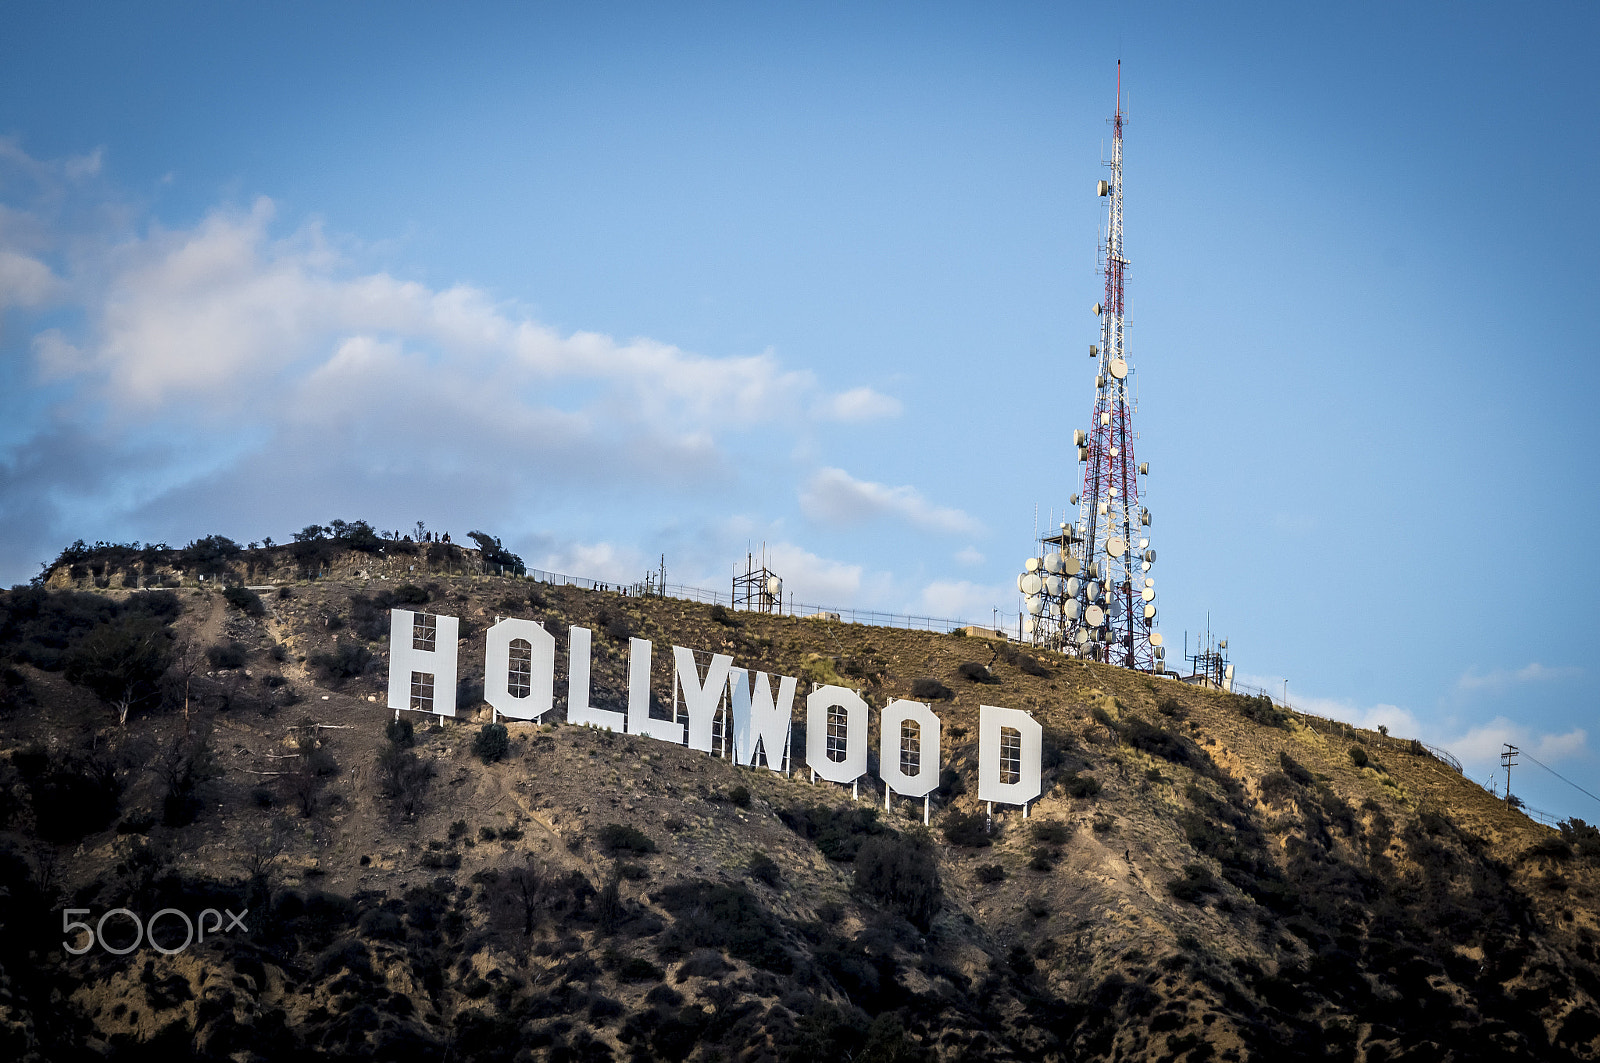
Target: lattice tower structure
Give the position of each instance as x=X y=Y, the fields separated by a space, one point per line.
x=1093 y=594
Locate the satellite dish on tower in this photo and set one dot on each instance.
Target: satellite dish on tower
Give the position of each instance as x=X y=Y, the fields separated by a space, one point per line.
x=1032 y=584
x=1094 y=616
x=1034 y=604
x=1119 y=368
x=1070 y=566
x=1069 y=609
x=1052 y=584
x=1148 y=594
x=1032 y=564
x=1116 y=547
x=774 y=585
x=1155 y=638
x=1052 y=562
x=1074 y=585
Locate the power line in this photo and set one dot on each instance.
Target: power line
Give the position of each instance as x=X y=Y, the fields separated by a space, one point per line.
x=1557 y=774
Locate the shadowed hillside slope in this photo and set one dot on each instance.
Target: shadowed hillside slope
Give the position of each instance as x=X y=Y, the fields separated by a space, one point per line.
x=1206 y=876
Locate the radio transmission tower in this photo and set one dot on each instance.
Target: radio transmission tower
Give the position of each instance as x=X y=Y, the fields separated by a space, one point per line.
x=1089 y=591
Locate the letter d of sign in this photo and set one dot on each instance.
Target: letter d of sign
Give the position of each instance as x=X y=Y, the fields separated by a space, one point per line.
x=422 y=662
x=1009 y=746
x=519 y=669
x=836 y=734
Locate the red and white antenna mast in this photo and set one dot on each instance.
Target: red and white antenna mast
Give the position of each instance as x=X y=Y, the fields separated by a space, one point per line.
x=1091 y=591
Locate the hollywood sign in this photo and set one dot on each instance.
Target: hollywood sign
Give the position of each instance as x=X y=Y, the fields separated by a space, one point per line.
x=519 y=682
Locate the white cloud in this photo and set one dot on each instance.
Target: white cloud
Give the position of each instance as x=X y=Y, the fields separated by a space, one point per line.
x=224 y=314
x=603 y=561
x=1502 y=679
x=969 y=555
x=816 y=580
x=1484 y=742
x=963 y=600
x=833 y=496
x=25 y=281
x=859 y=404
x=1478 y=745
x=79 y=167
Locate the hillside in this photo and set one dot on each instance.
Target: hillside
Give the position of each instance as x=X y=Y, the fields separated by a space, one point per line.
x=1205 y=877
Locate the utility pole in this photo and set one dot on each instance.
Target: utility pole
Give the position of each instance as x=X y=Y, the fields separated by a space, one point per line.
x=1508 y=757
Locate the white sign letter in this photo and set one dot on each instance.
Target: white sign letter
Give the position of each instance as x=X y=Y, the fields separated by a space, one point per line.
x=578 y=710
x=519 y=681
x=422 y=662
x=759 y=719
x=836 y=734
x=920 y=755
x=1008 y=764
x=700 y=698
x=639 y=719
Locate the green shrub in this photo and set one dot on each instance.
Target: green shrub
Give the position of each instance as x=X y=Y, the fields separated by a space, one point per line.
x=74 y=797
x=989 y=874
x=1172 y=707
x=400 y=732
x=1075 y=785
x=1143 y=735
x=930 y=689
x=620 y=837
x=1584 y=839
x=1276 y=788
x=245 y=600
x=1196 y=881
x=1295 y=770
x=765 y=869
x=122 y=661
x=837 y=832
x=967 y=829
x=638 y=969
x=1042 y=860
x=901 y=873
x=976 y=672
x=410 y=594
x=491 y=742
x=714 y=915
x=349 y=661
x=1358 y=757
x=1261 y=709
x=1050 y=831
x=227 y=655
x=740 y=796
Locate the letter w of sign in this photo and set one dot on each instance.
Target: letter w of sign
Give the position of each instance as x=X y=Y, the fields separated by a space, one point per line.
x=758 y=720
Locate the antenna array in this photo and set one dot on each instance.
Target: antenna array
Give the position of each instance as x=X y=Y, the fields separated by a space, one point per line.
x=1089 y=590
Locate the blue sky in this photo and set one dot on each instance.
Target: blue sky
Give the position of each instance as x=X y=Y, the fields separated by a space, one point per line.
x=613 y=281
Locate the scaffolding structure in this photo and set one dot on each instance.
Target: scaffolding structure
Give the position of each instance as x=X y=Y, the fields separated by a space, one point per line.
x=1208 y=664
x=759 y=590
